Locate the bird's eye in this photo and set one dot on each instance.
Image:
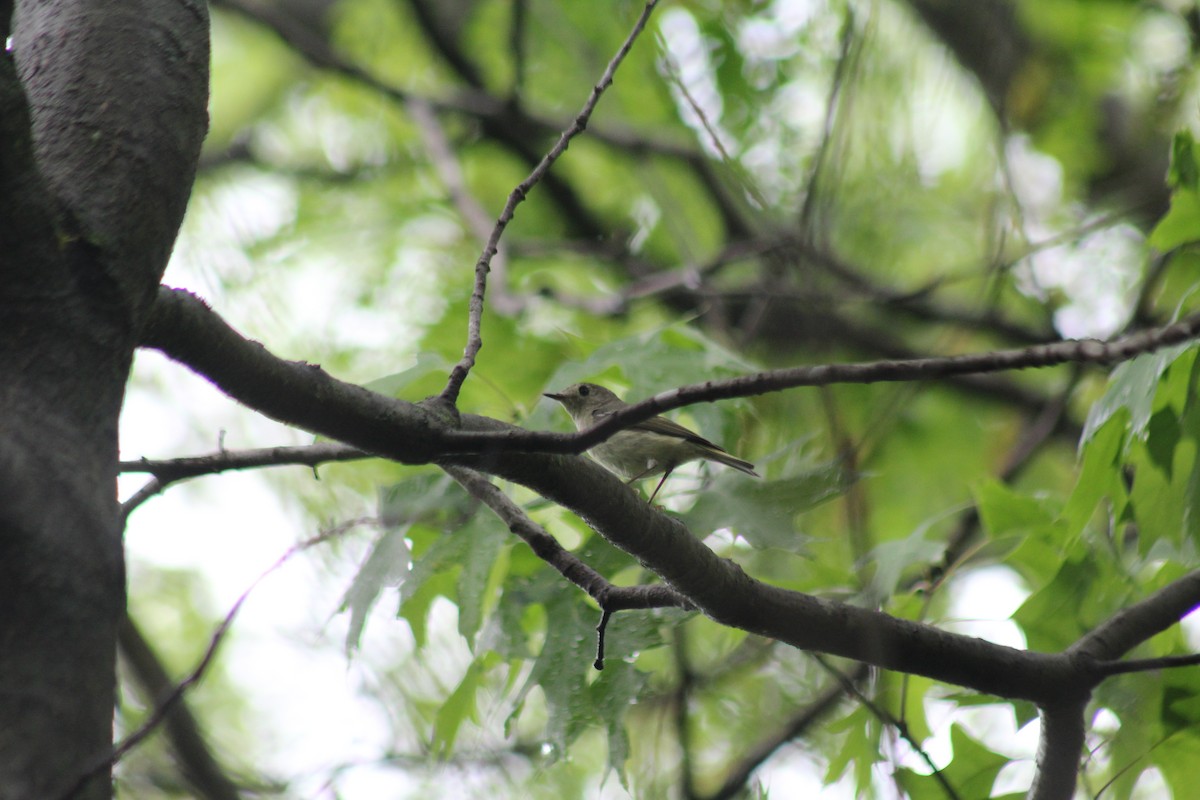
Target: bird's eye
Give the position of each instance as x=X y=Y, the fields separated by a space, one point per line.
x=584 y=391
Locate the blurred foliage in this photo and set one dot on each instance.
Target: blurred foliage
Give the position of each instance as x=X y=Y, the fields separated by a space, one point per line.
x=851 y=193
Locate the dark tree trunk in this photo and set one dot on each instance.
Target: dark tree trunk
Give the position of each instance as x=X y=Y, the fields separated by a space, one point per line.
x=102 y=111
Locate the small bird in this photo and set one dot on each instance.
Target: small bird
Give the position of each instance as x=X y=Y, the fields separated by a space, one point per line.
x=645 y=448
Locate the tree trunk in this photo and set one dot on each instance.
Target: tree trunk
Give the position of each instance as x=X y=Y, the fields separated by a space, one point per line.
x=91 y=197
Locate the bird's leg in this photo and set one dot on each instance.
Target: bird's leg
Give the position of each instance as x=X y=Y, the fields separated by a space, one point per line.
x=661 y=481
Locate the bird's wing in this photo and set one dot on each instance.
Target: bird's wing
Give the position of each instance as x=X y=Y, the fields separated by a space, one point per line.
x=665 y=427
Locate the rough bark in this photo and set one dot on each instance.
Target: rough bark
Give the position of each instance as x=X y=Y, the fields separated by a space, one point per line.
x=102 y=111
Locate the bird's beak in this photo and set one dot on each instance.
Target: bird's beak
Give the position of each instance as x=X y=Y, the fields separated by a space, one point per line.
x=553 y=396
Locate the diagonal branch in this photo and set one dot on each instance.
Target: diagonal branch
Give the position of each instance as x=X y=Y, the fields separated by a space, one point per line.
x=798 y=725
x=610 y=598
x=198 y=763
x=474 y=341
x=168 y=701
x=1137 y=623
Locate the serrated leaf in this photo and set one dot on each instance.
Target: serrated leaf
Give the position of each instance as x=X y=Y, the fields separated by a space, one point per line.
x=633 y=632
x=387 y=565
x=763 y=512
x=859 y=748
x=487 y=537
x=424 y=497
x=611 y=696
x=1132 y=386
x=503 y=632
x=561 y=671
x=459 y=706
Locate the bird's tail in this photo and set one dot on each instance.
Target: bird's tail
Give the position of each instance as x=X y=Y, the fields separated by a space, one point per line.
x=720 y=456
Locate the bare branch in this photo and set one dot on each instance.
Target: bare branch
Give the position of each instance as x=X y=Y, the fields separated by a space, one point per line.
x=517 y=196
x=178 y=469
x=717 y=586
x=302 y=394
x=1078 y=351
x=799 y=724
x=610 y=598
x=1147 y=664
x=167 y=703
x=199 y=764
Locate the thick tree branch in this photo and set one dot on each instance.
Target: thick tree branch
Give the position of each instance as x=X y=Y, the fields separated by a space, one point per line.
x=1133 y=625
x=102 y=111
x=123 y=183
x=302 y=394
x=1060 y=746
x=28 y=230
x=305 y=395
x=296 y=393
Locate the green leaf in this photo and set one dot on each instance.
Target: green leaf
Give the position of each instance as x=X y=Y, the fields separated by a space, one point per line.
x=640 y=366
x=457 y=708
x=1084 y=591
x=1162 y=435
x=859 y=747
x=503 y=632
x=1179 y=760
x=1132 y=386
x=1099 y=474
x=891 y=560
x=764 y=511
x=395 y=384
x=1183 y=172
x=610 y=697
x=1181 y=224
x=971 y=772
x=387 y=565
x=1005 y=511
x=487 y=538
x=561 y=671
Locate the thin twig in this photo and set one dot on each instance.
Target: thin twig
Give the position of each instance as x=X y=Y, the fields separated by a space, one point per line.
x=1109 y=668
x=517 y=196
x=884 y=716
x=164 y=707
x=800 y=723
x=1075 y=351
x=446 y=163
x=178 y=469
